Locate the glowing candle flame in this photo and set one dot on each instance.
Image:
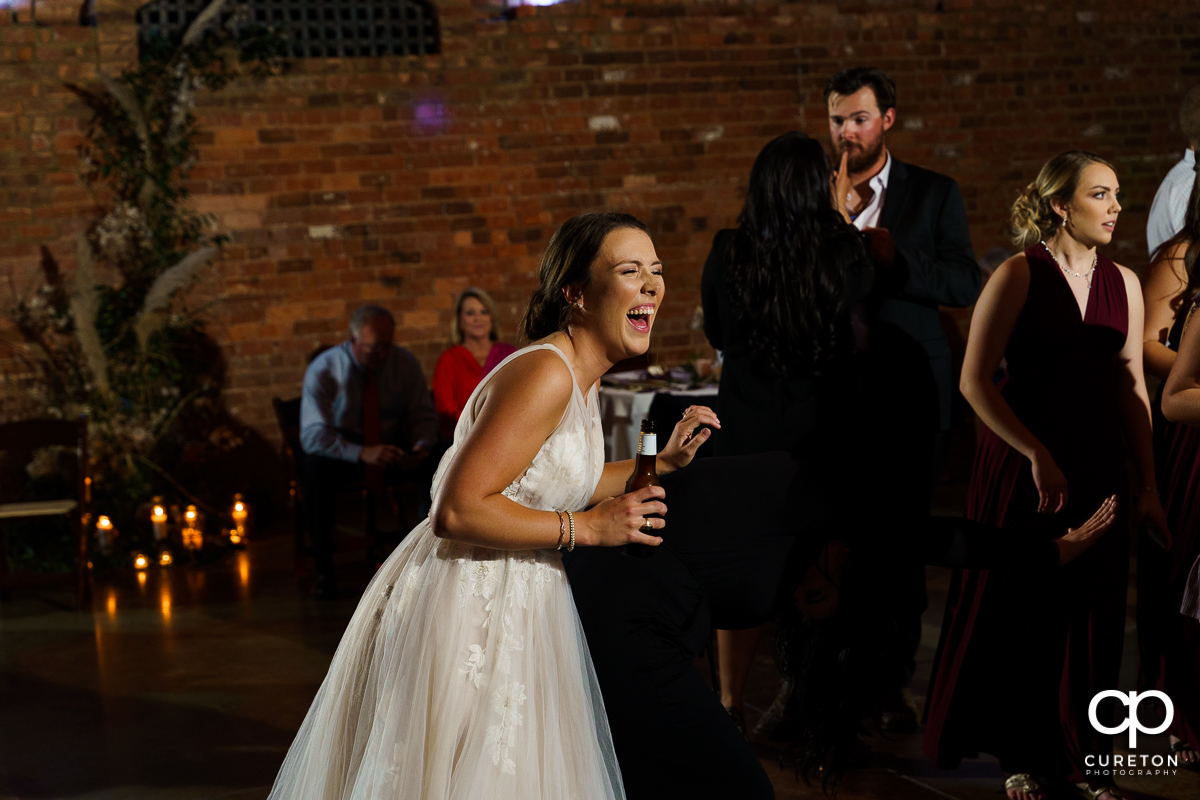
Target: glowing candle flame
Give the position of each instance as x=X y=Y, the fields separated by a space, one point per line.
x=164 y=558
x=104 y=524
x=140 y=561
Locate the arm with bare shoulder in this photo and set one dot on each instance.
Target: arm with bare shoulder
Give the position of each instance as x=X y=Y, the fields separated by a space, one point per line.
x=1134 y=402
x=1181 y=393
x=992 y=324
x=524 y=403
x=1162 y=294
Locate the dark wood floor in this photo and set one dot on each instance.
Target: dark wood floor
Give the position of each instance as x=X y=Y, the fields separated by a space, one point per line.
x=190 y=683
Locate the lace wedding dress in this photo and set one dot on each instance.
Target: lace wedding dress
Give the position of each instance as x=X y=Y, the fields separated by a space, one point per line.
x=464 y=672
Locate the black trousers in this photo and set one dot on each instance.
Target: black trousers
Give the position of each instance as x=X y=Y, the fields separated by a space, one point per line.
x=727 y=544
x=323 y=479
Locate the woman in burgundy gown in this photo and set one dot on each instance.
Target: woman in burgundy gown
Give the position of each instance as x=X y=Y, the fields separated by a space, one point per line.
x=1020 y=657
x=1169 y=642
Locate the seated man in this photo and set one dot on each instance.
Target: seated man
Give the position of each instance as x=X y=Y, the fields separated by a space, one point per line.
x=366 y=414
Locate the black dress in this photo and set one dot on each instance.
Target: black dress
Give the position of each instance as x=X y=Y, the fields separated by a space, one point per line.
x=760 y=410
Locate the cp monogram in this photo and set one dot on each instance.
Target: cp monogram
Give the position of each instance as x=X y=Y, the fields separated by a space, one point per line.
x=1131 y=722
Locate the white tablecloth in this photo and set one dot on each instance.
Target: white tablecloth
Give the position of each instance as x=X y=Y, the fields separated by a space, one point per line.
x=622 y=412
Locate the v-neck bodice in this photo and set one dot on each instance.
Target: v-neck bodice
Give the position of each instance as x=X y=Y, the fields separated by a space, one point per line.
x=1063 y=367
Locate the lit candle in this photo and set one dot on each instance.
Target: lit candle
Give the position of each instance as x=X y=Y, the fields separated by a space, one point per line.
x=104 y=534
x=140 y=561
x=158 y=518
x=164 y=558
x=193 y=539
x=240 y=511
x=240 y=514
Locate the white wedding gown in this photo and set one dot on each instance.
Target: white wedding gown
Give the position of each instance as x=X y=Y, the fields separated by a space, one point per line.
x=464 y=672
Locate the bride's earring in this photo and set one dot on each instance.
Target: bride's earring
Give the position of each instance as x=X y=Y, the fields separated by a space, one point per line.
x=1064 y=219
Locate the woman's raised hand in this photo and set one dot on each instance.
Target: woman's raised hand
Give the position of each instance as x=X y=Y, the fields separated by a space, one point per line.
x=1051 y=484
x=619 y=520
x=684 y=441
x=1080 y=539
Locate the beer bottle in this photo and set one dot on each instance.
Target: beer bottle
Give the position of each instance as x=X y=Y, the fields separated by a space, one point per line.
x=645 y=473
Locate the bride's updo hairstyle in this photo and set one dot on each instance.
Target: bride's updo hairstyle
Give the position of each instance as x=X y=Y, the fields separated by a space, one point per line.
x=567 y=263
x=1033 y=218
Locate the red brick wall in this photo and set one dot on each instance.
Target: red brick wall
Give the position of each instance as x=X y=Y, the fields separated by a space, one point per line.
x=401 y=180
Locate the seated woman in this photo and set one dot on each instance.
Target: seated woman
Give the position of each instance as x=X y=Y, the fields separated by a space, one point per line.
x=476 y=351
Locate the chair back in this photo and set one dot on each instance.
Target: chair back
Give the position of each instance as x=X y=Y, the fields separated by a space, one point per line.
x=33 y=433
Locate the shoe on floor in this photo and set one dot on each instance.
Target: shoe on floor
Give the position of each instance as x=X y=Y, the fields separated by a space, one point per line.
x=778 y=723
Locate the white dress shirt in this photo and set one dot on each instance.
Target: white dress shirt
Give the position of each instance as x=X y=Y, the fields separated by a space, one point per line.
x=869 y=216
x=1170 y=203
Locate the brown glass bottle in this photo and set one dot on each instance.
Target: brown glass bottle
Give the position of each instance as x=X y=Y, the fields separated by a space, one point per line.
x=645 y=473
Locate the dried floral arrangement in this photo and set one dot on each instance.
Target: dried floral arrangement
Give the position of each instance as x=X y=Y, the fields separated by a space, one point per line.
x=130 y=351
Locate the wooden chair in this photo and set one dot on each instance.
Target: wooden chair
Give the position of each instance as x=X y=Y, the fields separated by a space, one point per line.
x=30 y=435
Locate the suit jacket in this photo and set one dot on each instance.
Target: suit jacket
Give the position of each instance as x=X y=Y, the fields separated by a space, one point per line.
x=935 y=263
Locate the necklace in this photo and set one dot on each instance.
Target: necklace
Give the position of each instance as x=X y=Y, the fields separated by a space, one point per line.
x=1087 y=278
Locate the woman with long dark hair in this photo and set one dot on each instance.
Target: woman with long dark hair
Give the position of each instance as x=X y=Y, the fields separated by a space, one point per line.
x=1169 y=641
x=778 y=292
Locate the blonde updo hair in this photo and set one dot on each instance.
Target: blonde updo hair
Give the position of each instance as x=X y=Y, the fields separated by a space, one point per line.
x=1033 y=218
x=456 y=332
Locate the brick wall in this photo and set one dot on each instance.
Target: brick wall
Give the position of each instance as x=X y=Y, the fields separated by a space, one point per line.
x=402 y=180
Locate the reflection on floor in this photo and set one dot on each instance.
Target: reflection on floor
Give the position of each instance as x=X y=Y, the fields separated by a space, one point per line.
x=190 y=683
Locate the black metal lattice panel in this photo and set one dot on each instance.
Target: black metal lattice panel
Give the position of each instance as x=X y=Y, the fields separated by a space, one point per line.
x=316 y=28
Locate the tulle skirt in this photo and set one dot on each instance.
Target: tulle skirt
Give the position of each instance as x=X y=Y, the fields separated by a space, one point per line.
x=463 y=674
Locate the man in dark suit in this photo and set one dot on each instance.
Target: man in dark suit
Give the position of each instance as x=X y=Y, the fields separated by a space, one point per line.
x=934 y=266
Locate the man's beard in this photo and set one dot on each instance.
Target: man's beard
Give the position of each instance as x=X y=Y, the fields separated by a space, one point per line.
x=860 y=160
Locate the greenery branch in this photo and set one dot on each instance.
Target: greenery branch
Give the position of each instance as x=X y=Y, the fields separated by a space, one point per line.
x=117 y=340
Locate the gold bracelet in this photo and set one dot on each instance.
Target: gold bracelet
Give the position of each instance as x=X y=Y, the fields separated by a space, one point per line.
x=571 y=519
x=562 y=529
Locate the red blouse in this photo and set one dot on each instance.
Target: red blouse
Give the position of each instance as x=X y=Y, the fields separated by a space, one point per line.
x=454 y=378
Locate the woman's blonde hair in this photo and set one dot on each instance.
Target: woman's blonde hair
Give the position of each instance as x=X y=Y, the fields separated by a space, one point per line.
x=1033 y=218
x=456 y=334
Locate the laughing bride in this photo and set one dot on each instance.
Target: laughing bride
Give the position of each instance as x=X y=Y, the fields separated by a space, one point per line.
x=464 y=672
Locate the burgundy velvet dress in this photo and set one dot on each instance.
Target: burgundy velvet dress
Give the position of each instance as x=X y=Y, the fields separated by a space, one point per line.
x=1022 y=653
x=1169 y=641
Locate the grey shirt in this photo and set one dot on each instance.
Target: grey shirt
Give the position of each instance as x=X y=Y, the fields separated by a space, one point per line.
x=331 y=421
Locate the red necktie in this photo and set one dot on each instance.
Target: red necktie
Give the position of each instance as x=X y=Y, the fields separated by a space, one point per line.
x=372 y=429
